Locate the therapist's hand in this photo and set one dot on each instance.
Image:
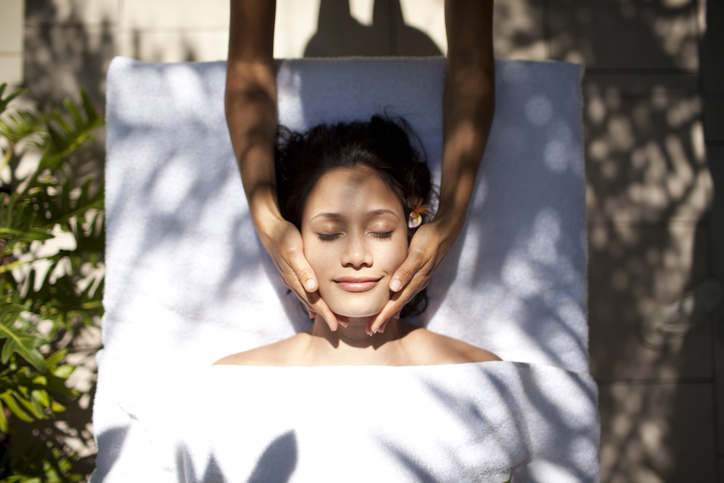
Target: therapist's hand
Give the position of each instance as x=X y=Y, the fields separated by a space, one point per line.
x=284 y=244
x=428 y=248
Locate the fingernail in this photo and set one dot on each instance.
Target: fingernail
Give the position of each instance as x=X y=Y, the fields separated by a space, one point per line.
x=310 y=285
x=396 y=285
x=343 y=324
x=381 y=330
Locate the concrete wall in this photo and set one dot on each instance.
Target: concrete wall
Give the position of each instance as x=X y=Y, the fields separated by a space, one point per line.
x=11 y=41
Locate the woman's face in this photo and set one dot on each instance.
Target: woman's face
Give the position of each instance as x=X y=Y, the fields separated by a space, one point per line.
x=355 y=237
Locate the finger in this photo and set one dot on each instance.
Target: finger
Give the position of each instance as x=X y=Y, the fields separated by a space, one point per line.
x=320 y=307
x=305 y=274
x=294 y=259
x=409 y=268
x=397 y=302
x=327 y=315
x=392 y=307
x=301 y=295
x=315 y=305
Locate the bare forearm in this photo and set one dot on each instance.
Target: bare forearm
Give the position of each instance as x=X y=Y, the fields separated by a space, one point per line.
x=468 y=104
x=251 y=117
x=467 y=116
x=250 y=103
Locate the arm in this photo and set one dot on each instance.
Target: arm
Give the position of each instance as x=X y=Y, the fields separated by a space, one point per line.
x=250 y=104
x=468 y=108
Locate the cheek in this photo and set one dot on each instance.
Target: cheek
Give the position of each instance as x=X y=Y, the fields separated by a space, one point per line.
x=319 y=255
x=397 y=255
x=311 y=252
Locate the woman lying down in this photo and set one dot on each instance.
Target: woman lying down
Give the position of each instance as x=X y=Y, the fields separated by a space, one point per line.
x=400 y=405
x=357 y=192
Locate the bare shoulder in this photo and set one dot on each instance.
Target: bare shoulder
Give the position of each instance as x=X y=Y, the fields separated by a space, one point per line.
x=277 y=354
x=431 y=348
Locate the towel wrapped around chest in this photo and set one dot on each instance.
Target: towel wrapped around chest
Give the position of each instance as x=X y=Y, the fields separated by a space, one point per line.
x=474 y=422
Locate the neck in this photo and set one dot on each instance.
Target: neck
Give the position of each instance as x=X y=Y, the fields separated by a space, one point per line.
x=352 y=345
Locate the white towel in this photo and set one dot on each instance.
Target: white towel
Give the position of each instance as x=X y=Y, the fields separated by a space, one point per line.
x=479 y=422
x=188 y=281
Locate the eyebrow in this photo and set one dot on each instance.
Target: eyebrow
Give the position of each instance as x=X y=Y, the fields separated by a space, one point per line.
x=370 y=214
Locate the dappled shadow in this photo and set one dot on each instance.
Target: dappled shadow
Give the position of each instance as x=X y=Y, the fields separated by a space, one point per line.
x=459 y=422
x=112 y=441
x=186 y=473
x=63 y=54
x=276 y=463
x=648 y=188
x=648 y=35
x=504 y=444
x=648 y=192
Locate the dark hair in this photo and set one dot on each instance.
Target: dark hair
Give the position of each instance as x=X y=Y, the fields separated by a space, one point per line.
x=382 y=144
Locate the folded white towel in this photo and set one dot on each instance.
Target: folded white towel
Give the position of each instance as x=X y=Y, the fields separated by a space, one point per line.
x=475 y=422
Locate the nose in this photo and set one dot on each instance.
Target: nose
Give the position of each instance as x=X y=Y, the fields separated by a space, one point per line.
x=356 y=253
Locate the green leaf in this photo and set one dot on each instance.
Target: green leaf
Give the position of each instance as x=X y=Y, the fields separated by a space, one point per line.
x=73 y=111
x=9 y=400
x=85 y=203
x=10 y=266
x=56 y=407
x=35 y=409
x=24 y=124
x=40 y=379
x=41 y=397
x=64 y=371
x=53 y=360
x=8 y=99
x=3 y=422
x=34 y=235
x=23 y=344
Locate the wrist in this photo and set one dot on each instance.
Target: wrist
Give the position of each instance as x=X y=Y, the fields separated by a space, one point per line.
x=449 y=222
x=265 y=215
x=449 y=217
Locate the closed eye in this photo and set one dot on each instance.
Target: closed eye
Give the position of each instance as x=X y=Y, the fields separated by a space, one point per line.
x=387 y=234
x=326 y=237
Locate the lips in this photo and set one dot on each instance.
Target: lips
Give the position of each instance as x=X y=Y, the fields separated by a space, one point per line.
x=357 y=284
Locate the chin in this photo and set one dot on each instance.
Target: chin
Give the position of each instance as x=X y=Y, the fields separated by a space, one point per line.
x=357 y=310
x=367 y=304
x=354 y=312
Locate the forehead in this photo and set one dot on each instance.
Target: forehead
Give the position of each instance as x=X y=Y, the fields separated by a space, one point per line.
x=351 y=189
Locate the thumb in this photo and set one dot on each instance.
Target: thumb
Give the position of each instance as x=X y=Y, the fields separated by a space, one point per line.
x=304 y=273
